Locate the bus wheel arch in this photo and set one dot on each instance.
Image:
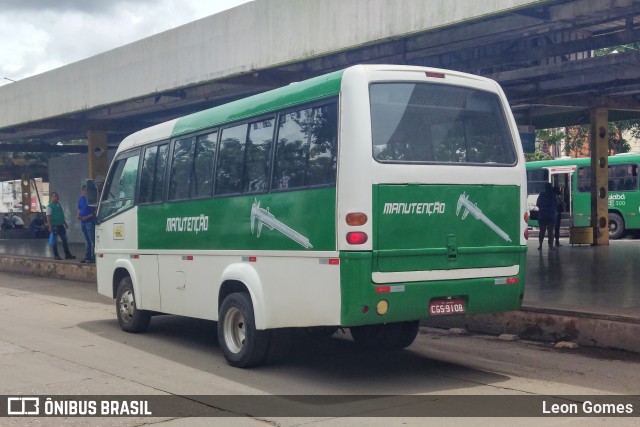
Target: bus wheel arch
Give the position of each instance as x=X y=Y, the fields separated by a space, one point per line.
x=229 y=287
x=241 y=277
x=616 y=225
x=118 y=275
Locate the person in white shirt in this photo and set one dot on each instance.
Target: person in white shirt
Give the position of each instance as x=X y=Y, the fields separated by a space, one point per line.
x=17 y=221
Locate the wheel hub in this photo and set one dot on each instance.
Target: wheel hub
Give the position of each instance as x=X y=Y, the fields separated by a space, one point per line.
x=234 y=330
x=127 y=306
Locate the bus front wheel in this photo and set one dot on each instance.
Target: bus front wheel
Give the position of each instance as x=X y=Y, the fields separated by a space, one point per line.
x=131 y=318
x=242 y=344
x=387 y=336
x=616 y=226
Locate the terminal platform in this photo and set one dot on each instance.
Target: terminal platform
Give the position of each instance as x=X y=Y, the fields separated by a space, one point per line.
x=589 y=295
x=585 y=294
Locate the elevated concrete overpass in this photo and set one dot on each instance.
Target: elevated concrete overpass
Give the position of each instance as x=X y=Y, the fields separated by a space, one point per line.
x=542 y=52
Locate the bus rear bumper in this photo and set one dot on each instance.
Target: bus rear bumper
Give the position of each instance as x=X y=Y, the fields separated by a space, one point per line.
x=408 y=300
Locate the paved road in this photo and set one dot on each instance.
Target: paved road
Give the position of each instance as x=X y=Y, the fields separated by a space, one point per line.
x=61 y=337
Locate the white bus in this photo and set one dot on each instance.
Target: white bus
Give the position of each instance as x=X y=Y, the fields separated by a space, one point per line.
x=368 y=198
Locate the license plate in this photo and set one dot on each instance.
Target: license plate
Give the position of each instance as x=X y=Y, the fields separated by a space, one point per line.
x=440 y=307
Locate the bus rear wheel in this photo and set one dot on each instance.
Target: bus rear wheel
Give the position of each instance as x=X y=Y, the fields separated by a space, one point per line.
x=389 y=336
x=616 y=226
x=242 y=344
x=130 y=318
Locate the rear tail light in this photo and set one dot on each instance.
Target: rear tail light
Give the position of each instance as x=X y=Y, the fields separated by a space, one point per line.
x=434 y=75
x=357 y=238
x=526 y=234
x=356 y=218
x=526 y=216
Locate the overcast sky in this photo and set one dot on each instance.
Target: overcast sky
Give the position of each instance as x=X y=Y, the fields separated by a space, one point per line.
x=39 y=35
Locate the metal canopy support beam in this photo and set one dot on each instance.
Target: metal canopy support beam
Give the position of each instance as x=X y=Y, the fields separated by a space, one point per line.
x=600 y=176
x=98 y=155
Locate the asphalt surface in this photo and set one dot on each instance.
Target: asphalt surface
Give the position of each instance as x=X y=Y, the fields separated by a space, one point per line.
x=61 y=337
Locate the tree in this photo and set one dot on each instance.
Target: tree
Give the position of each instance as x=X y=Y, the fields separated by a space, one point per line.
x=617 y=130
x=545 y=138
x=577 y=141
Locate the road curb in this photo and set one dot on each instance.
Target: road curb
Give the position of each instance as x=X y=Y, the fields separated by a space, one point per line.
x=541 y=324
x=44 y=267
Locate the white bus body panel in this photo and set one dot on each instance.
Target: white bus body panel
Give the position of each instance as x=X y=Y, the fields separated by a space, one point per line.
x=280 y=287
x=116 y=243
x=159 y=132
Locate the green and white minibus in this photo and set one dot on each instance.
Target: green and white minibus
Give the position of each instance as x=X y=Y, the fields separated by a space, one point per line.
x=368 y=198
x=573 y=178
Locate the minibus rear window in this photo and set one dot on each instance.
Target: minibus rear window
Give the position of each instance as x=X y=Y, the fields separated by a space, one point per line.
x=438 y=123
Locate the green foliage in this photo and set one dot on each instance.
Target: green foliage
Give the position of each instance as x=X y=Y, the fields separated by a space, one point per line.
x=536 y=156
x=545 y=138
x=617 y=130
x=617 y=49
x=577 y=141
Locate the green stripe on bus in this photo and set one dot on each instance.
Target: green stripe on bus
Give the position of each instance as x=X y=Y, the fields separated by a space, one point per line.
x=293 y=220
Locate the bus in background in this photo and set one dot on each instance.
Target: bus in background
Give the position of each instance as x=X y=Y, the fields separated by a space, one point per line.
x=573 y=178
x=368 y=198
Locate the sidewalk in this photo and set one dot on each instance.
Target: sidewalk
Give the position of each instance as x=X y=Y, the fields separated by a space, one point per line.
x=589 y=295
x=37 y=248
x=34 y=256
x=586 y=294
x=590 y=279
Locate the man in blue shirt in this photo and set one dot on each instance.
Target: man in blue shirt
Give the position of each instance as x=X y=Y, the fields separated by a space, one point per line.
x=86 y=215
x=37 y=228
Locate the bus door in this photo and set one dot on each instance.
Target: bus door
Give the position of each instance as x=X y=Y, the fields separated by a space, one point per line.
x=561 y=177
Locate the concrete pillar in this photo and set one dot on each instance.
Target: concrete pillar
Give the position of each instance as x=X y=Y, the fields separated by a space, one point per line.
x=600 y=176
x=97 y=155
x=25 y=186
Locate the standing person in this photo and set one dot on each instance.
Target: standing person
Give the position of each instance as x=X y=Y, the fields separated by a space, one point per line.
x=561 y=208
x=548 y=206
x=86 y=215
x=58 y=226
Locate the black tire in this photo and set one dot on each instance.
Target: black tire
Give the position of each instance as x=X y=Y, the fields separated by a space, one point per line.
x=131 y=319
x=389 y=336
x=242 y=344
x=616 y=226
x=408 y=334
